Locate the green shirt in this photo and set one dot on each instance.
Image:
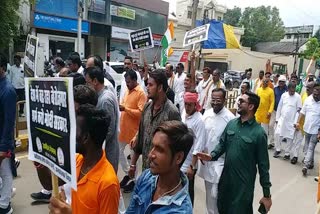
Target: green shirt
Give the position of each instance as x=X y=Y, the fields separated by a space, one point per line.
x=245 y=147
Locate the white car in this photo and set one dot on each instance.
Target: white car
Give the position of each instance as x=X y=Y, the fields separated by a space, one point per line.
x=115 y=69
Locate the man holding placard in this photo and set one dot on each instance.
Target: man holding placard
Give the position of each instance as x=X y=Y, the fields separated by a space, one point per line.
x=98 y=189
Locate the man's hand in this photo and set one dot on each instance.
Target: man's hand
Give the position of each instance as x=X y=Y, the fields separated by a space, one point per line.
x=204 y=156
x=190 y=173
x=267 y=202
x=133 y=142
x=132 y=171
x=59 y=206
x=297 y=126
x=318 y=136
x=268 y=115
x=122 y=108
x=3 y=155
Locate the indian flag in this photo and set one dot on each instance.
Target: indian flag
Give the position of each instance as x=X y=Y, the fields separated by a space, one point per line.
x=165 y=43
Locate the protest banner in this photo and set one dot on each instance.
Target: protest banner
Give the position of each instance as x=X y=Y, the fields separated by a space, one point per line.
x=141 y=39
x=196 y=35
x=52 y=126
x=30 y=57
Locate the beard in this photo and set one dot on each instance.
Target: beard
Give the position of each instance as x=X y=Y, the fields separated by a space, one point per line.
x=242 y=112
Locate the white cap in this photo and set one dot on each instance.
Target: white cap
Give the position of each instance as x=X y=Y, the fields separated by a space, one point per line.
x=282 y=78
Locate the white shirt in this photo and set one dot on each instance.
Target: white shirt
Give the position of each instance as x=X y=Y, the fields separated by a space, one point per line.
x=123 y=88
x=196 y=124
x=214 y=126
x=80 y=70
x=207 y=104
x=110 y=87
x=180 y=100
x=17 y=76
x=287 y=114
x=311 y=110
x=179 y=86
x=202 y=88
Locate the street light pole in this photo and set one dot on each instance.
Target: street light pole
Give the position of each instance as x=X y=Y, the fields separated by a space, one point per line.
x=80 y=13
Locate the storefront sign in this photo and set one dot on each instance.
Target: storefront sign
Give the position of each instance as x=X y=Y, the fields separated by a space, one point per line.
x=59 y=23
x=196 y=35
x=120 y=33
x=178 y=56
x=141 y=39
x=122 y=12
x=52 y=126
x=30 y=59
x=157 y=39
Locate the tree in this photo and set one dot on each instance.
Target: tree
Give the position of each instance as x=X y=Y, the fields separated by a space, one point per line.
x=233 y=16
x=262 y=24
x=312 y=49
x=9 y=21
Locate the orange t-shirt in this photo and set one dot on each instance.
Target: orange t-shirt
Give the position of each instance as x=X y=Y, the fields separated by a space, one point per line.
x=133 y=101
x=98 y=191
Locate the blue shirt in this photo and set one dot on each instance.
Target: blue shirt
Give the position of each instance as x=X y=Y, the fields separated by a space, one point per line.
x=141 y=199
x=7 y=115
x=277 y=95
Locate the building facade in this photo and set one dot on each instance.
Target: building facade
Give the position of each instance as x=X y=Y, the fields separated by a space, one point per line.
x=105 y=26
x=299 y=32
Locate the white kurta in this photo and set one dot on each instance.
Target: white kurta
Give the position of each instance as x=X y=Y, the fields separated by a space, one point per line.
x=202 y=88
x=179 y=85
x=287 y=114
x=214 y=126
x=196 y=124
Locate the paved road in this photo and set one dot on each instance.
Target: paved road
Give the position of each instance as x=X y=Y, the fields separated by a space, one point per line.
x=291 y=192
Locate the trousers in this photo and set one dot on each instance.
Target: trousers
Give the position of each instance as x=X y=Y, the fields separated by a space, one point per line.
x=7 y=178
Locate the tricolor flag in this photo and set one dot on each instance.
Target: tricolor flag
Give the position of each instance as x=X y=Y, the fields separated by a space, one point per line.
x=165 y=43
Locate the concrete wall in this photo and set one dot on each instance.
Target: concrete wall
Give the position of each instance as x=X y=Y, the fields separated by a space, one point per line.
x=241 y=60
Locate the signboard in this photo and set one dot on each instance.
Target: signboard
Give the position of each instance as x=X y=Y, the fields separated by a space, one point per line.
x=157 y=39
x=122 y=12
x=141 y=39
x=178 y=56
x=30 y=56
x=52 y=126
x=59 y=23
x=120 y=33
x=196 y=35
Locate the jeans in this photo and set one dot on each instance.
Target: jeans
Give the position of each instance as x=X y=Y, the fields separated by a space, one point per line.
x=310 y=145
x=7 y=178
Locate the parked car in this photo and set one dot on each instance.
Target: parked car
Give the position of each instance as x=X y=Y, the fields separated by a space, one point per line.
x=233 y=78
x=115 y=69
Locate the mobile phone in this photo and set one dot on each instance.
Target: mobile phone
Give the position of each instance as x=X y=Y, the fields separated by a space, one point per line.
x=262 y=209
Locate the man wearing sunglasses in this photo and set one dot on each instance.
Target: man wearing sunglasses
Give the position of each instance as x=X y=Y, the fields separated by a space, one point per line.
x=244 y=144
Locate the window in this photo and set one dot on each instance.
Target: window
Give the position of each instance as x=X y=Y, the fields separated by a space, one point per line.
x=189 y=14
x=219 y=18
x=306 y=35
x=288 y=36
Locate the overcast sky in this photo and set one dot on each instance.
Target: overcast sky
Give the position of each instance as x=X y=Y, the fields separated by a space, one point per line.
x=292 y=12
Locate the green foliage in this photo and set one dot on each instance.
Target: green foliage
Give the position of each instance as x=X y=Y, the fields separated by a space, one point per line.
x=9 y=21
x=312 y=49
x=233 y=16
x=262 y=24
